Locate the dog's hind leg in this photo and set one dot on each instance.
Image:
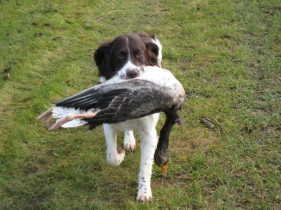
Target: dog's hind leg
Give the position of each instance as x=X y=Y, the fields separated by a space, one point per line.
x=129 y=141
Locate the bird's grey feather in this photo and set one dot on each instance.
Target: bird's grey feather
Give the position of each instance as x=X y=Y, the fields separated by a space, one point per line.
x=120 y=101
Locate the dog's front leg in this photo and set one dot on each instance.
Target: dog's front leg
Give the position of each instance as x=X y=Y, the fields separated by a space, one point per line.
x=149 y=141
x=114 y=155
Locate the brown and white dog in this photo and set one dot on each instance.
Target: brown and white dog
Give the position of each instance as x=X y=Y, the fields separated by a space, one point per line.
x=125 y=56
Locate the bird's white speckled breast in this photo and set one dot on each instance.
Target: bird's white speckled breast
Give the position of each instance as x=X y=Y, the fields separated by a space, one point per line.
x=166 y=79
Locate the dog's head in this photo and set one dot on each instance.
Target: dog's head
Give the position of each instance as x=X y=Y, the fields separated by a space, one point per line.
x=127 y=54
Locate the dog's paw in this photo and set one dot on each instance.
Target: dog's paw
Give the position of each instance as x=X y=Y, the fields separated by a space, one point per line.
x=144 y=194
x=115 y=160
x=130 y=147
x=144 y=198
x=121 y=151
x=129 y=141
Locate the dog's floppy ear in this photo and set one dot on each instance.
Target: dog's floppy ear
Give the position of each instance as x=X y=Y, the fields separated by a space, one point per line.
x=153 y=48
x=101 y=58
x=152 y=52
x=101 y=52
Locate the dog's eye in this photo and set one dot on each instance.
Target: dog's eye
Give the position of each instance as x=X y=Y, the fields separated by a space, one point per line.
x=138 y=53
x=122 y=54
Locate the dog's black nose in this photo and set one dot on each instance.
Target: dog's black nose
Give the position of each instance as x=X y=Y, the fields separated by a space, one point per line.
x=132 y=73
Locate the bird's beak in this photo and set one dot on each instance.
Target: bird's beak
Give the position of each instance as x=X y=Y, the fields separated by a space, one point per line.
x=164 y=169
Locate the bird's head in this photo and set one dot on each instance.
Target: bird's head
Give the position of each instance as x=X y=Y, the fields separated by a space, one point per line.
x=161 y=158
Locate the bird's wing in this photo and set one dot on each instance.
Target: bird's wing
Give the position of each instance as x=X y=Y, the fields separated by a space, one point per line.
x=99 y=96
x=131 y=104
x=120 y=101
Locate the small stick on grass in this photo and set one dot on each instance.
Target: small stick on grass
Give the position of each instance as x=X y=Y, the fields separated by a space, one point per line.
x=207 y=123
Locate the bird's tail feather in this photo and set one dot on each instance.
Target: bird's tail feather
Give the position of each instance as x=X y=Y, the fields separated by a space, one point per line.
x=65 y=117
x=63 y=112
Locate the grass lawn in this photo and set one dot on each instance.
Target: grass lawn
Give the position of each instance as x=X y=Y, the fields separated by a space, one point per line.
x=225 y=53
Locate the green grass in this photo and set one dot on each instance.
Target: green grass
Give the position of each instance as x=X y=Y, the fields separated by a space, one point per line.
x=225 y=53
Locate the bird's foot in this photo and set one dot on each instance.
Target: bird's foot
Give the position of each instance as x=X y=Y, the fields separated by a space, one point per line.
x=129 y=141
x=115 y=160
x=68 y=118
x=144 y=194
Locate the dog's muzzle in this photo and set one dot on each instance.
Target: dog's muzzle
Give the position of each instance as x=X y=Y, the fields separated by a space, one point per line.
x=133 y=73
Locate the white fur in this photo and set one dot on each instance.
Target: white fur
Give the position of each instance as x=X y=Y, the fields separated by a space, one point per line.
x=148 y=137
x=113 y=157
x=129 y=141
x=122 y=73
